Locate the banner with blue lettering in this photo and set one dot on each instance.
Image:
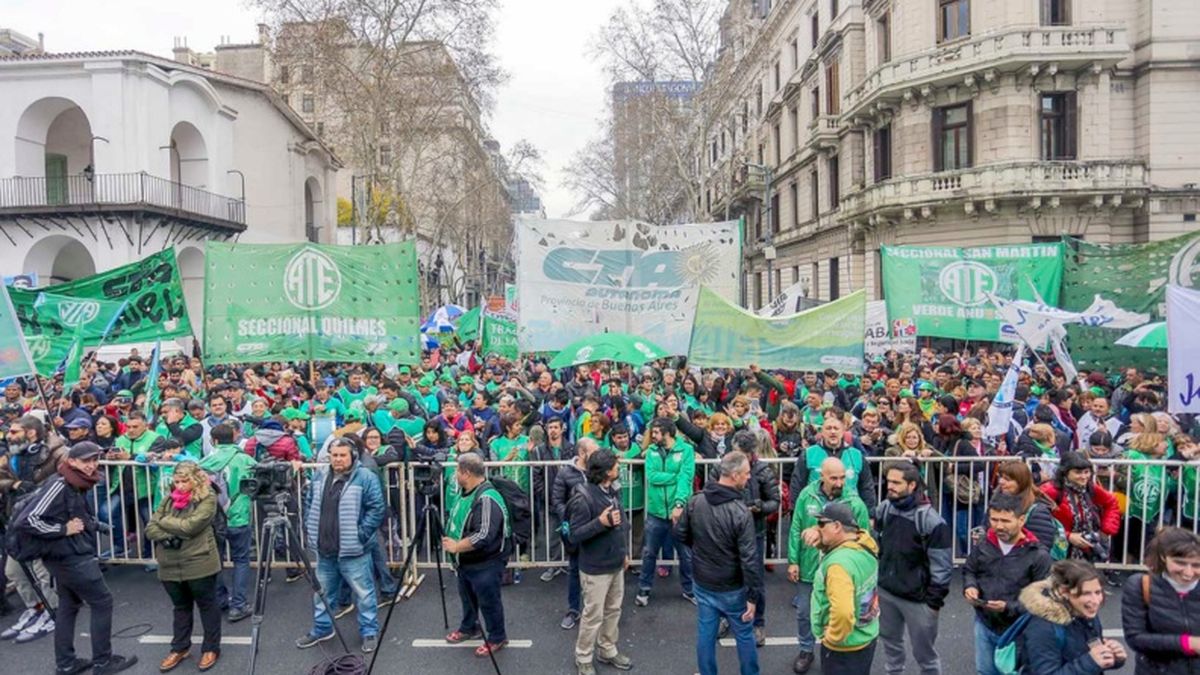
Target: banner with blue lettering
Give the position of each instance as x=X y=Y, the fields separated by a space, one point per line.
x=579 y=278
x=1183 y=350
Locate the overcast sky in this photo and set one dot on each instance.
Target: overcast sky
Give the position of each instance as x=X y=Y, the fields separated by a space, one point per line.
x=554 y=96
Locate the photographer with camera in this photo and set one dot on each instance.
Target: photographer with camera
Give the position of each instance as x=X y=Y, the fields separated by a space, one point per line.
x=475 y=536
x=189 y=562
x=341 y=524
x=235 y=466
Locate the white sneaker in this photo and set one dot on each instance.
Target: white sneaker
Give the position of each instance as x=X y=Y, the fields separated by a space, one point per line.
x=43 y=626
x=27 y=618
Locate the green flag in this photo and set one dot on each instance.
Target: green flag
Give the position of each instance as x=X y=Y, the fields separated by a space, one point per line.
x=828 y=336
x=152 y=293
x=87 y=322
x=14 y=353
x=499 y=337
x=1135 y=277
x=467 y=325
x=150 y=406
x=944 y=290
x=285 y=302
x=73 y=364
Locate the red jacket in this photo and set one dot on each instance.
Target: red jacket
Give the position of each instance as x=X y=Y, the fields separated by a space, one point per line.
x=1110 y=510
x=279 y=445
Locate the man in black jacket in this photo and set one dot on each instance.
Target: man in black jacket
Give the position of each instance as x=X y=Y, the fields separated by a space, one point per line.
x=728 y=579
x=915 y=563
x=1003 y=562
x=762 y=498
x=565 y=481
x=554 y=448
x=597 y=528
x=475 y=534
x=65 y=526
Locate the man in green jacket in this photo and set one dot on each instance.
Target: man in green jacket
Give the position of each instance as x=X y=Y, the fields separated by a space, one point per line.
x=670 y=469
x=236 y=466
x=135 y=445
x=803 y=537
x=845 y=601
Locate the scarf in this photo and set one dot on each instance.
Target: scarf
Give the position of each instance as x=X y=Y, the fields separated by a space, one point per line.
x=1084 y=513
x=77 y=479
x=906 y=503
x=180 y=499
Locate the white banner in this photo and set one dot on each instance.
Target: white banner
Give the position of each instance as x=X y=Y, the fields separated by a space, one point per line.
x=579 y=278
x=880 y=339
x=999 y=416
x=1036 y=322
x=1183 y=350
x=790 y=301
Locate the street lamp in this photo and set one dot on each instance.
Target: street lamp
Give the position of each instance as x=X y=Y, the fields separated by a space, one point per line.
x=242 y=176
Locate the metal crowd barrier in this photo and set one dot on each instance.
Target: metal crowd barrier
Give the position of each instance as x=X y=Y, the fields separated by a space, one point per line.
x=125 y=503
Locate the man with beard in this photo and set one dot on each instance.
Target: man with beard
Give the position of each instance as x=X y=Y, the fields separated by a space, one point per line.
x=915 y=563
x=832 y=443
x=845 y=601
x=803 y=555
x=999 y=566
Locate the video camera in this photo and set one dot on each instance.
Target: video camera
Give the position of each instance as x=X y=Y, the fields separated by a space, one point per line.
x=267 y=480
x=425 y=471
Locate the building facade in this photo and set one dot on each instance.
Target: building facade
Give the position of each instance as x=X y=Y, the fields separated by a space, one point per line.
x=864 y=123
x=114 y=155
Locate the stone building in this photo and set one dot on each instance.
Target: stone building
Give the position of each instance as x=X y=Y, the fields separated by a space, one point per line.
x=950 y=122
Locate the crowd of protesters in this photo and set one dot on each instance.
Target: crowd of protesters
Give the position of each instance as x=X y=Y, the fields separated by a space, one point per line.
x=877 y=482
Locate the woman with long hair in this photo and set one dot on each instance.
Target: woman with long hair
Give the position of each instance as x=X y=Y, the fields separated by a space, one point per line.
x=1149 y=484
x=1089 y=514
x=1064 y=634
x=189 y=562
x=1160 y=610
x=1014 y=477
x=105 y=431
x=961 y=494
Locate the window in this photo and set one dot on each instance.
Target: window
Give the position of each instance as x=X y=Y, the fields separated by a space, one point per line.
x=795 y=54
x=778 y=282
x=883 y=28
x=816 y=29
x=816 y=102
x=814 y=195
x=775 y=219
x=745 y=117
x=284 y=98
x=832 y=103
x=833 y=9
x=952 y=131
x=777 y=81
x=883 y=153
x=795 y=195
x=722 y=143
x=385 y=155
x=760 y=99
x=307 y=104
x=954 y=19
x=835 y=280
x=778 y=139
x=835 y=196
x=760 y=153
x=796 y=129
x=758 y=290
x=1058 y=125
x=795 y=274
x=1056 y=12
x=713 y=153
x=284 y=75
x=815 y=276
x=306 y=73
x=320 y=128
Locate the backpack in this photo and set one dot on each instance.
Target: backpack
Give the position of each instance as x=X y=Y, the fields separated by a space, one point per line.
x=1005 y=656
x=220 y=487
x=18 y=542
x=520 y=515
x=1058 y=547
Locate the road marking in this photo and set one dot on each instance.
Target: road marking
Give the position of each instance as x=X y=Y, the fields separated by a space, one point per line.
x=771 y=642
x=512 y=644
x=167 y=639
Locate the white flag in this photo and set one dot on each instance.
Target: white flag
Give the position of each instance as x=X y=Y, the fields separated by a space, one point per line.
x=1183 y=350
x=999 y=416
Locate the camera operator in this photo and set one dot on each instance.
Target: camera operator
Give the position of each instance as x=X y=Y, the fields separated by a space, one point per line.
x=27 y=465
x=227 y=459
x=475 y=536
x=341 y=524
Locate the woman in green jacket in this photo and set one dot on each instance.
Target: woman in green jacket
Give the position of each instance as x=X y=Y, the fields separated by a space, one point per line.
x=185 y=547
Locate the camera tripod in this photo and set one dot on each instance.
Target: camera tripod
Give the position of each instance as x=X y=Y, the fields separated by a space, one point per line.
x=277 y=524
x=430 y=519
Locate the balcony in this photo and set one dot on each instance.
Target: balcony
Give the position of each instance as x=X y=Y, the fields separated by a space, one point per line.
x=1068 y=47
x=121 y=192
x=823 y=132
x=998 y=181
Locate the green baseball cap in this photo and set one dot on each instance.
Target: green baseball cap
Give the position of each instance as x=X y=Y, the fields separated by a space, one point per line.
x=466 y=379
x=427 y=380
x=404 y=370
x=290 y=414
x=124 y=393
x=354 y=415
x=399 y=405
x=446 y=377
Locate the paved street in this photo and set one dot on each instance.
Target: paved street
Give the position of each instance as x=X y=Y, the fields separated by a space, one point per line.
x=660 y=637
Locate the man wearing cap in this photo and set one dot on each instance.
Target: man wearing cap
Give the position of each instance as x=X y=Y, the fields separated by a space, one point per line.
x=405 y=424
x=236 y=466
x=803 y=556
x=63 y=526
x=925 y=398
x=845 y=601
x=466 y=391
x=78 y=430
x=429 y=397
x=297 y=426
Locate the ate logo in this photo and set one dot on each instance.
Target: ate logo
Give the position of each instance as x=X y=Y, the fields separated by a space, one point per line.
x=967 y=283
x=584 y=354
x=312 y=280
x=75 y=313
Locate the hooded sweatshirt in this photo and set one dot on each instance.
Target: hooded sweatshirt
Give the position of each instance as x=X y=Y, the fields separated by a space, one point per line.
x=275 y=442
x=845 y=598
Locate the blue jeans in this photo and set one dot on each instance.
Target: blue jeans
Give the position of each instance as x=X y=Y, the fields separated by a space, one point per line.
x=804 y=634
x=387 y=581
x=239 y=540
x=113 y=513
x=479 y=592
x=713 y=607
x=356 y=573
x=658 y=533
x=574 y=588
x=985 y=649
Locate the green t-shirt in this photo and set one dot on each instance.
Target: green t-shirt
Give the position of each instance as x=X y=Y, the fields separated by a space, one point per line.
x=633 y=481
x=505 y=449
x=1147 y=486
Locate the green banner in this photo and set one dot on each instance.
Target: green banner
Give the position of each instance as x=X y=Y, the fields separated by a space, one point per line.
x=499 y=337
x=829 y=336
x=285 y=302
x=467 y=325
x=154 y=309
x=90 y=322
x=14 y=354
x=1135 y=277
x=944 y=290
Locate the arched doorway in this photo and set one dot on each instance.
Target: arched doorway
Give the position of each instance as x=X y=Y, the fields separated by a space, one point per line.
x=58 y=259
x=191 y=272
x=189 y=156
x=54 y=148
x=312 y=209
